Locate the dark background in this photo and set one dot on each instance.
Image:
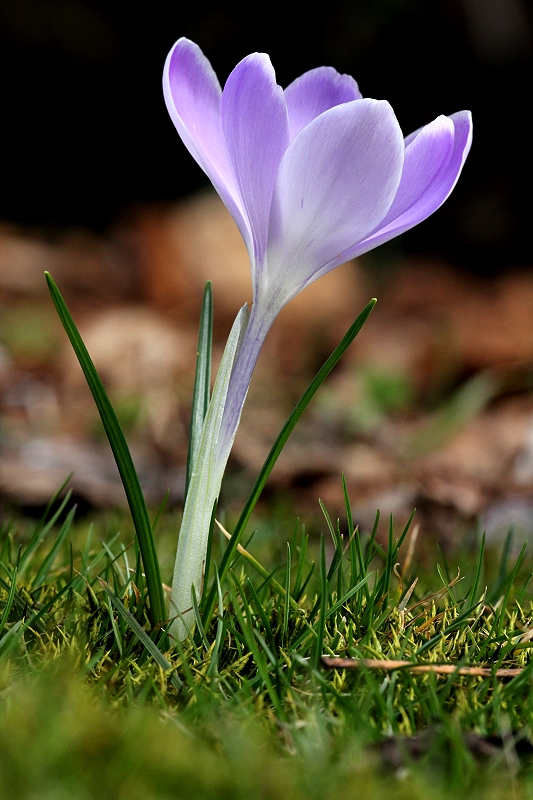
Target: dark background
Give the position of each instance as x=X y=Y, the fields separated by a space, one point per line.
x=86 y=135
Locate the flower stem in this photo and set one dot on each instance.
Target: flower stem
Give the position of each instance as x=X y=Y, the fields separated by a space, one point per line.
x=258 y=326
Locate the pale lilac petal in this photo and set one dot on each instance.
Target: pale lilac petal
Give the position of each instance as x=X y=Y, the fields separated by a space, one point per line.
x=192 y=95
x=335 y=183
x=256 y=130
x=434 y=158
x=314 y=92
x=426 y=157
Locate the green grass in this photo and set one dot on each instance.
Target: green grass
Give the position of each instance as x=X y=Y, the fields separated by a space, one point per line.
x=97 y=700
x=92 y=706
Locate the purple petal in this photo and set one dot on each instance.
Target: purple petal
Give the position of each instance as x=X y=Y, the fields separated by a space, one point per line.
x=314 y=92
x=335 y=183
x=426 y=155
x=256 y=130
x=434 y=158
x=192 y=95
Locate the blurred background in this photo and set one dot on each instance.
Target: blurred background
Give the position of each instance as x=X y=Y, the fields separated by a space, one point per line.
x=432 y=407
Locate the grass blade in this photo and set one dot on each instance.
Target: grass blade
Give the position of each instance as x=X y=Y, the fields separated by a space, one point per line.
x=40 y=534
x=344 y=599
x=141 y=634
x=304 y=541
x=215 y=654
x=9 y=600
x=46 y=566
x=116 y=632
x=249 y=633
x=198 y=619
x=123 y=459
x=286 y=605
x=323 y=600
x=11 y=639
x=208 y=551
x=265 y=574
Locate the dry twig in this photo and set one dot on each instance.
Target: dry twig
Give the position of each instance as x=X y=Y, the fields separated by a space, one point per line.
x=439 y=669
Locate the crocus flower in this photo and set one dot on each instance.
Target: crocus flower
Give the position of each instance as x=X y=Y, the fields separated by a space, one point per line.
x=313 y=175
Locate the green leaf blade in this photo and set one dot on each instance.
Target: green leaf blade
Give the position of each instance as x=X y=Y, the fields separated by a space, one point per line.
x=123 y=459
x=202 y=380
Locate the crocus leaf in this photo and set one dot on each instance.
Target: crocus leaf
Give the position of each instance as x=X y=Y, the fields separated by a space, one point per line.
x=206 y=477
x=202 y=381
x=123 y=459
